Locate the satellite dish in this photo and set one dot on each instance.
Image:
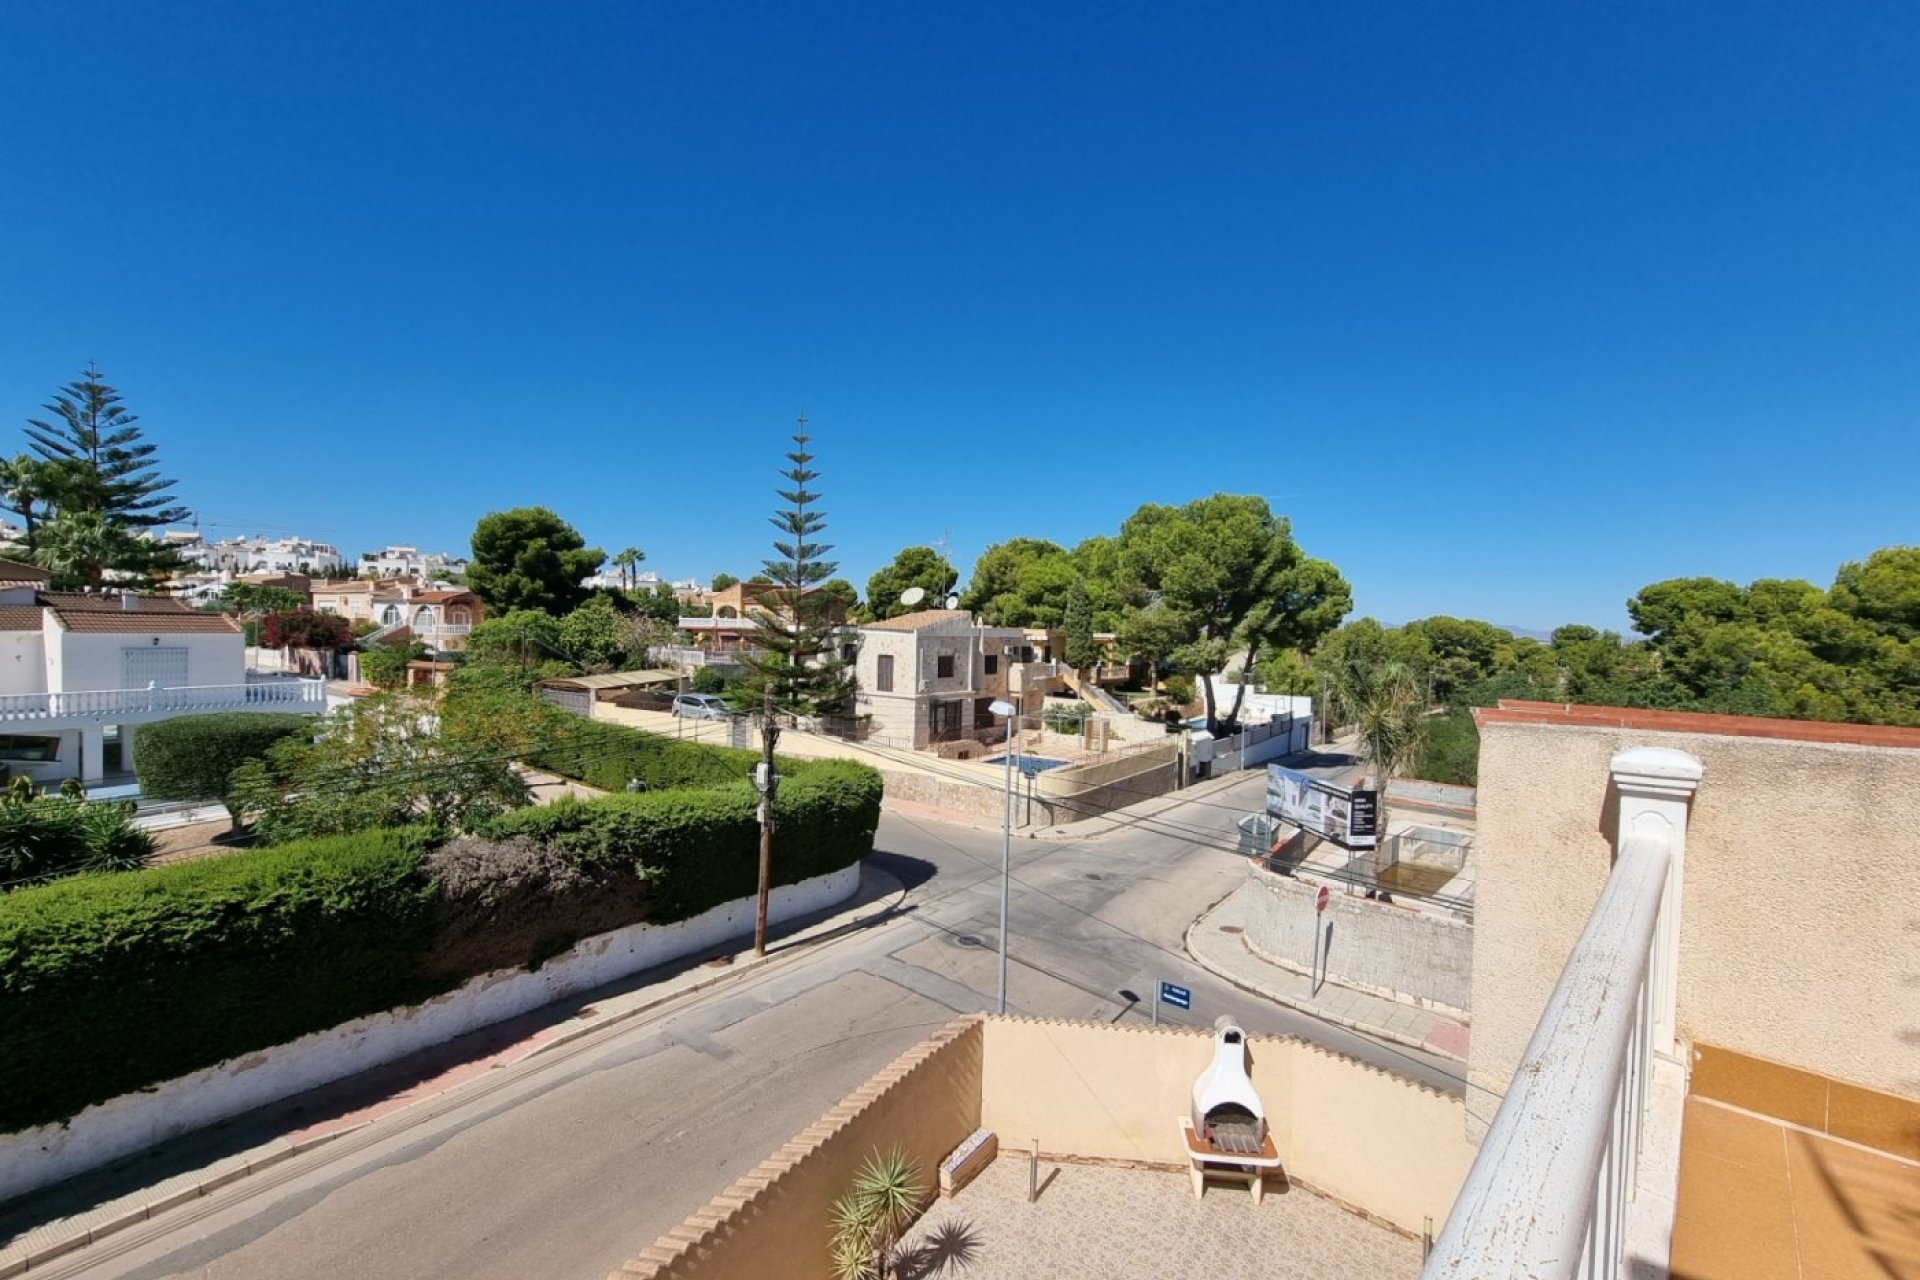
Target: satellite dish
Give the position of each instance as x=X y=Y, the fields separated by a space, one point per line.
x=913 y=595
x=953 y=602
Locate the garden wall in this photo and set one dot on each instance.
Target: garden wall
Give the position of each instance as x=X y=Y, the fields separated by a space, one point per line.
x=1394 y=951
x=105 y=1132
x=778 y=1219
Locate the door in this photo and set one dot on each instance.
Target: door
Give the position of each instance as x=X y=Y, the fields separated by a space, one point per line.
x=165 y=666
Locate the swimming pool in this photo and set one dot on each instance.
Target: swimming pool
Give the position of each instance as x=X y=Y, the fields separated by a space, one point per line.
x=1029 y=764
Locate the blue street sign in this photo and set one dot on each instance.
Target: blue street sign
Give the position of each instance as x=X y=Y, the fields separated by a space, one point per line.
x=1178 y=997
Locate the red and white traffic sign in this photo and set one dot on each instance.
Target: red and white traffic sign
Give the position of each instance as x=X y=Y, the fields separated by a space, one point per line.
x=1320 y=900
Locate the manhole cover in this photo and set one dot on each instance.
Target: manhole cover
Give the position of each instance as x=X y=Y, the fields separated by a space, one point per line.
x=968 y=940
x=1230 y=928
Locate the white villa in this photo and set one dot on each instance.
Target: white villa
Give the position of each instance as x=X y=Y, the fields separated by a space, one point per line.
x=77 y=669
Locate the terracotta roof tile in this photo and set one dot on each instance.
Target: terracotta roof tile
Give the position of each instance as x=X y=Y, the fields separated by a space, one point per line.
x=144 y=622
x=19 y=571
x=917 y=621
x=1513 y=711
x=19 y=617
x=78 y=600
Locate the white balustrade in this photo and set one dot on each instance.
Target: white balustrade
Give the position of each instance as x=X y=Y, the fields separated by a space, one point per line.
x=1548 y=1194
x=106 y=704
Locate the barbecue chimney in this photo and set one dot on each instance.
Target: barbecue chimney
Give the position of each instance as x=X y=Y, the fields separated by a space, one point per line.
x=1227 y=1114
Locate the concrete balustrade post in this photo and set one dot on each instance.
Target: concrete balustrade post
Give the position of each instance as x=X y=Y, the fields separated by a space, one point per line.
x=1655 y=786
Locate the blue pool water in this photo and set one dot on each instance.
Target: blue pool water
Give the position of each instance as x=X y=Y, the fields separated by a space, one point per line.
x=1029 y=764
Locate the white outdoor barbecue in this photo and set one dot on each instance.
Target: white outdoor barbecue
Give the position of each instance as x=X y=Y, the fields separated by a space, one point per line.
x=1227 y=1135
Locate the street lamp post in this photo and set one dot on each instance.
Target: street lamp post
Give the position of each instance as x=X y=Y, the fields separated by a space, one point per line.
x=1003 y=708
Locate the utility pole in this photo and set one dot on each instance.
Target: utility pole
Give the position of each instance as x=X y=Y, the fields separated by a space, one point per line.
x=765 y=783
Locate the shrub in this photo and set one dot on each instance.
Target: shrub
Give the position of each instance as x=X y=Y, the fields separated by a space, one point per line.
x=608 y=755
x=1179 y=687
x=692 y=846
x=43 y=836
x=303 y=628
x=1450 y=749
x=709 y=680
x=110 y=983
x=193 y=757
x=1065 y=717
x=385 y=666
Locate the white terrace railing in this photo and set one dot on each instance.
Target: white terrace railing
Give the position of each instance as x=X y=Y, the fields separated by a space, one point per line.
x=105 y=704
x=1547 y=1197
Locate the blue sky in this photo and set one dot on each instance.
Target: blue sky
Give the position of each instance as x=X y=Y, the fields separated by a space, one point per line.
x=1512 y=307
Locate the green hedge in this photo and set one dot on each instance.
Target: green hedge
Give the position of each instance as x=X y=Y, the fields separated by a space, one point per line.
x=688 y=844
x=110 y=983
x=192 y=757
x=608 y=755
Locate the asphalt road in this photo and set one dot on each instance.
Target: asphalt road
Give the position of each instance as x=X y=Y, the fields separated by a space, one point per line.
x=565 y=1164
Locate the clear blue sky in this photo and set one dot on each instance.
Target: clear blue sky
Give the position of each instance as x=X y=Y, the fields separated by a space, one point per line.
x=1512 y=307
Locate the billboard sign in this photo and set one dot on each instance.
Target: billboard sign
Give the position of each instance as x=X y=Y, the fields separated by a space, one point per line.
x=1347 y=817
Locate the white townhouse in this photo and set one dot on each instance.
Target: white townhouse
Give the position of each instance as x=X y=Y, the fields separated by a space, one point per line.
x=77 y=670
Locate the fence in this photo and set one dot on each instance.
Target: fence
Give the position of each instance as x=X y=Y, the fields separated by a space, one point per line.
x=1252 y=746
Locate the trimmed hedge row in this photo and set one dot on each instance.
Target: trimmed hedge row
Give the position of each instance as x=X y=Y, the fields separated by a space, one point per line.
x=687 y=844
x=192 y=757
x=607 y=756
x=110 y=983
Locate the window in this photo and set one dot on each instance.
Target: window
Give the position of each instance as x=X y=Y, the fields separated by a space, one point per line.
x=20 y=747
x=943 y=666
x=946 y=719
x=883 y=676
x=992 y=663
x=458 y=616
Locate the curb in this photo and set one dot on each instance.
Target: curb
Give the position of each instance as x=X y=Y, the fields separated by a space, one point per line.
x=242 y=1164
x=1350 y=1024
x=883 y=905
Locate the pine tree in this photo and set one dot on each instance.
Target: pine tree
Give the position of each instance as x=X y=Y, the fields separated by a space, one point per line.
x=799 y=670
x=104 y=465
x=99 y=487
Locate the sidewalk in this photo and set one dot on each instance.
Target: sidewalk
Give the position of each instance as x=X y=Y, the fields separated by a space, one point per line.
x=45 y=1224
x=1217 y=941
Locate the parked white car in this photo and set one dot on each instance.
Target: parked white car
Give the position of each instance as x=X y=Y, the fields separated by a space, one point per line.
x=700 y=706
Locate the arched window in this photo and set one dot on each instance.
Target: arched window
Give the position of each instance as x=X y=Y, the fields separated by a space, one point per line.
x=390 y=615
x=423 y=619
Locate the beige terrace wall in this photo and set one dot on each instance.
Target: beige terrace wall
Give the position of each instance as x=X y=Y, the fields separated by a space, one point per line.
x=1099 y=1091
x=777 y=1220
x=1800 y=918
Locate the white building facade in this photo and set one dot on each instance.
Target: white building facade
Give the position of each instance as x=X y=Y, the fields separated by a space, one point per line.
x=77 y=670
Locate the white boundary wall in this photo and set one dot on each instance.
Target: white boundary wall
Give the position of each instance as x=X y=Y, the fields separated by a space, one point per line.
x=107 y=1131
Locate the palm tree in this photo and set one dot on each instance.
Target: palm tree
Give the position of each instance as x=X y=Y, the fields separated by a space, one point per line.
x=1386 y=702
x=78 y=547
x=625 y=562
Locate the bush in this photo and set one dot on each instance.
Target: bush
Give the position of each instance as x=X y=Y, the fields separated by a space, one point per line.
x=43 y=836
x=1065 y=717
x=709 y=680
x=193 y=757
x=1450 y=751
x=110 y=983
x=1179 y=687
x=690 y=846
x=607 y=756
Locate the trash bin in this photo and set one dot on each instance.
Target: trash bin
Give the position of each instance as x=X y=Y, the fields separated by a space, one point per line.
x=1256 y=834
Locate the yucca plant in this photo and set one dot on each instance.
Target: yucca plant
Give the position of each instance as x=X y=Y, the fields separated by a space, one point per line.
x=1386 y=702
x=870 y=1218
